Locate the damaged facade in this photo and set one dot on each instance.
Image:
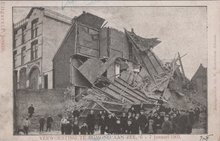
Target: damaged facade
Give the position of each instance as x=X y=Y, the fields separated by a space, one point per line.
x=104 y=68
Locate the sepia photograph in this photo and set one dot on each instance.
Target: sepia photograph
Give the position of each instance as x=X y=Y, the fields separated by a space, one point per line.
x=106 y=70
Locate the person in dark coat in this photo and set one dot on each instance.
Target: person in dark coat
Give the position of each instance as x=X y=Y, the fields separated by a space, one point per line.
x=166 y=126
x=102 y=124
x=118 y=129
x=63 y=123
x=90 y=120
x=76 y=113
x=129 y=116
x=113 y=122
x=142 y=121
x=31 y=110
x=71 y=119
x=133 y=116
x=182 y=123
x=197 y=113
x=123 y=121
x=150 y=128
x=175 y=122
x=49 y=123
x=158 y=123
x=98 y=119
x=75 y=128
x=191 y=116
x=190 y=122
x=135 y=125
x=26 y=124
x=110 y=124
x=129 y=127
x=132 y=110
x=42 y=122
x=172 y=123
x=83 y=129
x=105 y=114
x=68 y=128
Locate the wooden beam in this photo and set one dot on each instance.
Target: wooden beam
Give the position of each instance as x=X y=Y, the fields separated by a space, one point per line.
x=181 y=65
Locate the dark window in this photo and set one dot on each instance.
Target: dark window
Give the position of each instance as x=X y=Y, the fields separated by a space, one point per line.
x=15 y=78
x=15 y=57
x=15 y=42
x=34 y=50
x=15 y=53
x=23 y=34
x=45 y=81
x=34 y=28
x=23 y=55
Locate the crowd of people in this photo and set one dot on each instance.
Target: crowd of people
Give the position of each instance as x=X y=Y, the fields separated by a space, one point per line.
x=158 y=121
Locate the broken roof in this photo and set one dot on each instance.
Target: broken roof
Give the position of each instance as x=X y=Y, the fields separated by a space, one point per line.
x=143 y=43
x=90 y=19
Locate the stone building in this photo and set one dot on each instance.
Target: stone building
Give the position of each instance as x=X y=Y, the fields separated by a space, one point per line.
x=36 y=40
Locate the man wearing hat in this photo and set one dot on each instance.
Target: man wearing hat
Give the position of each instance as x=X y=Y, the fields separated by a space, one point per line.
x=167 y=125
x=142 y=121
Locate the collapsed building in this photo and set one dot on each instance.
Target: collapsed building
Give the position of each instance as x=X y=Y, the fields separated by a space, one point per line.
x=104 y=68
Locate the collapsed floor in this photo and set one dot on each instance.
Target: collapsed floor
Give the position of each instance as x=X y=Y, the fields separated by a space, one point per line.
x=142 y=80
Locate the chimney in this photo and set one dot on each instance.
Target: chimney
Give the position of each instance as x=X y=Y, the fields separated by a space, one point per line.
x=132 y=30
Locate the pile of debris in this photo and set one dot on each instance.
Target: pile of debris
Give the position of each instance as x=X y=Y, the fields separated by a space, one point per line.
x=144 y=79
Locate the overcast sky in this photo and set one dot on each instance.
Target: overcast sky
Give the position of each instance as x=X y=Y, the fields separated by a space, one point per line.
x=181 y=29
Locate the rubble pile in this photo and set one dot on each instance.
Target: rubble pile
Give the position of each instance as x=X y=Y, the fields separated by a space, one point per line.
x=142 y=80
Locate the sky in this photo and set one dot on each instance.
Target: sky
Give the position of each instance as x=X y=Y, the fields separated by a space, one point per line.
x=180 y=29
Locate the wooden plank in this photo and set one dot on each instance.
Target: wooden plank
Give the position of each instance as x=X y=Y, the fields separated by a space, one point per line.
x=128 y=89
x=181 y=65
x=111 y=90
x=110 y=96
x=124 y=93
x=123 y=82
x=140 y=91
